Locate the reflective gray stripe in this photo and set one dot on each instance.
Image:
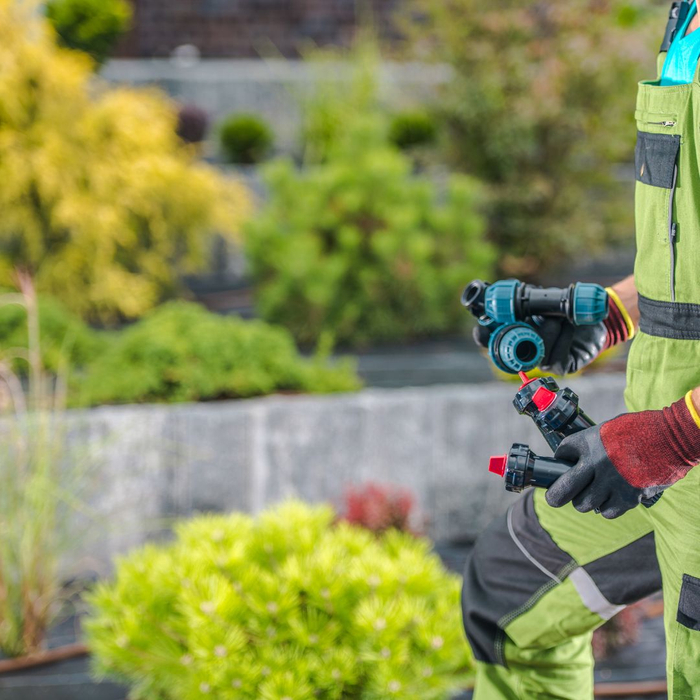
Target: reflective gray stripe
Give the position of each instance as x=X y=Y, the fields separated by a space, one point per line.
x=667 y=319
x=591 y=596
x=521 y=547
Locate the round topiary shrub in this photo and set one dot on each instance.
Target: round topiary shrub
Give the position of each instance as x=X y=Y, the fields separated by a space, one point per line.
x=288 y=606
x=245 y=139
x=412 y=129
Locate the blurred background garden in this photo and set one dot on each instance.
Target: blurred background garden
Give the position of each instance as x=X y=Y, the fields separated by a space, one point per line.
x=245 y=429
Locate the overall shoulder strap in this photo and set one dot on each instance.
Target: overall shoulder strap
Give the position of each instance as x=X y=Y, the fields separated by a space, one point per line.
x=676 y=18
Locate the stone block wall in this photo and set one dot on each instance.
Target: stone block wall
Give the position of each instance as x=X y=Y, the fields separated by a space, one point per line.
x=154 y=464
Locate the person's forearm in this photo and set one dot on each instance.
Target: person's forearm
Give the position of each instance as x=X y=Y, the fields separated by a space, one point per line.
x=627 y=293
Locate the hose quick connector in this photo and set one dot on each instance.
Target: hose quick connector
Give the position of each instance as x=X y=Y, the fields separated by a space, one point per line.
x=512 y=312
x=516 y=348
x=590 y=304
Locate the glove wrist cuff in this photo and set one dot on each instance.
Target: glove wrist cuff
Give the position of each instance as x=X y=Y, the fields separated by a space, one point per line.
x=691 y=408
x=684 y=429
x=654 y=448
x=618 y=323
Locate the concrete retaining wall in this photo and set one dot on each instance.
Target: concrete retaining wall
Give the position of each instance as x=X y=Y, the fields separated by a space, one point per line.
x=155 y=463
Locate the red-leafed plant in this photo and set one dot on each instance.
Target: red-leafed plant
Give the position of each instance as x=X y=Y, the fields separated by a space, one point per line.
x=379 y=507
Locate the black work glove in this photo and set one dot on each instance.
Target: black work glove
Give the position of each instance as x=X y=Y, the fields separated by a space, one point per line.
x=594 y=483
x=567 y=348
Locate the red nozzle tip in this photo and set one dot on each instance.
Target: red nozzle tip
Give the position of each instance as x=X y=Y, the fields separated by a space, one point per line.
x=497 y=464
x=525 y=378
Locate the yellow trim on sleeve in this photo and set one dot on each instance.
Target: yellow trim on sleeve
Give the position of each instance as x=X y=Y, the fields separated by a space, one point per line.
x=691 y=407
x=628 y=321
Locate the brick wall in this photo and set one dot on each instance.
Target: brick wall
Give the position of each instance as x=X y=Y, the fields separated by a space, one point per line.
x=248 y=28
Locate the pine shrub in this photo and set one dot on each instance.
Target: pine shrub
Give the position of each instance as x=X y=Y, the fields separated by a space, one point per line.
x=289 y=606
x=360 y=248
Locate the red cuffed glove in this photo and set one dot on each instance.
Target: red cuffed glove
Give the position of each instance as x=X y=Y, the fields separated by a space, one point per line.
x=628 y=458
x=618 y=324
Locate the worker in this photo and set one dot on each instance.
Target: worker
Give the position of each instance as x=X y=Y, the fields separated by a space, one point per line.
x=560 y=563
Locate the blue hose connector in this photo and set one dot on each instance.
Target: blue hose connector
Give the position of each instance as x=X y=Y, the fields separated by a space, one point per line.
x=499 y=302
x=516 y=348
x=590 y=304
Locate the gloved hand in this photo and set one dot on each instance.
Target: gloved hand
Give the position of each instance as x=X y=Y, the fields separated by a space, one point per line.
x=623 y=460
x=569 y=348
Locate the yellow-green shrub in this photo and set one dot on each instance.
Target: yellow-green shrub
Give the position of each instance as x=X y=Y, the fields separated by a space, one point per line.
x=285 y=606
x=101 y=203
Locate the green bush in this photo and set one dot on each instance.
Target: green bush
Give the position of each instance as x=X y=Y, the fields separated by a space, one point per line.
x=245 y=139
x=540 y=108
x=181 y=352
x=286 y=606
x=345 y=90
x=66 y=341
x=411 y=129
x=92 y=26
x=360 y=248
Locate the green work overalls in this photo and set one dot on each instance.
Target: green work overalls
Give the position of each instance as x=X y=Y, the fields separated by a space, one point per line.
x=542 y=579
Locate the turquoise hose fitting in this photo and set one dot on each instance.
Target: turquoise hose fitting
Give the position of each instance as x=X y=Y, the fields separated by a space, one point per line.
x=512 y=310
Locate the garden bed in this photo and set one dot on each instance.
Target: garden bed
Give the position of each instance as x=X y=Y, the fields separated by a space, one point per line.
x=66 y=678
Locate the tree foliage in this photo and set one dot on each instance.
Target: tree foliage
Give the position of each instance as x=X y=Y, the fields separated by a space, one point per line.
x=100 y=201
x=92 y=26
x=285 y=606
x=540 y=107
x=354 y=243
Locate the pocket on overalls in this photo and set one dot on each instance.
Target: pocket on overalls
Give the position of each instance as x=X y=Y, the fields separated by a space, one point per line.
x=655 y=159
x=689 y=604
x=656 y=170
x=655 y=122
